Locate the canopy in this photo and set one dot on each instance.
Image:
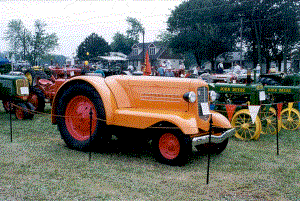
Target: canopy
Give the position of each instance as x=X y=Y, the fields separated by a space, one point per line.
x=3 y=61
x=113 y=58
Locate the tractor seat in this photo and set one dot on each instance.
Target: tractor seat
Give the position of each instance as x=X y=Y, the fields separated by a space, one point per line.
x=45 y=82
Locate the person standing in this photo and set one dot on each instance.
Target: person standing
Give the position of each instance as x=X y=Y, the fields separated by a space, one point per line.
x=169 y=72
x=161 y=71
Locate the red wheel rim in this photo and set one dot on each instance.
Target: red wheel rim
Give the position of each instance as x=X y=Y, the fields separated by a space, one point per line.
x=20 y=114
x=169 y=146
x=6 y=105
x=78 y=117
x=34 y=100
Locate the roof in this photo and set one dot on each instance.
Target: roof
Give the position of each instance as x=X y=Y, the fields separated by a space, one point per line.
x=146 y=45
x=163 y=53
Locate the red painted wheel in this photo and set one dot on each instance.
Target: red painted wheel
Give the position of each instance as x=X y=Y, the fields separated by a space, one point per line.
x=20 y=111
x=169 y=146
x=172 y=148
x=74 y=106
x=6 y=105
x=78 y=117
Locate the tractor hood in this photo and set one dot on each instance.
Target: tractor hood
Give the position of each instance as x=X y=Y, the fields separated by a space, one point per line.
x=152 y=92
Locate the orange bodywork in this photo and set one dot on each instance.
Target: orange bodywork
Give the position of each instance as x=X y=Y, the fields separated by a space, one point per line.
x=143 y=101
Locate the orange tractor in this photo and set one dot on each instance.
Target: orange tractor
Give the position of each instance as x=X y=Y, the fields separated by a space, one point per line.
x=172 y=113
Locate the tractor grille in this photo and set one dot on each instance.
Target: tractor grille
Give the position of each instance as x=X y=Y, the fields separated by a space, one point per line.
x=202 y=95
x=22 y=87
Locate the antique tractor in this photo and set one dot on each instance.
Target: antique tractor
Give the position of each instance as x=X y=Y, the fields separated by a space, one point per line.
x=172 y=113
x=288 y=95
x=43 y=89
x=14 y=91
x=280 y=79
x=35 y=73
x=44 y=92
x=229 y=98
x=281 y=88
x=267 y=96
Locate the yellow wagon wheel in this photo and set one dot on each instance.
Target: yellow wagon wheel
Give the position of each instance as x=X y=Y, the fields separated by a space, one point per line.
x=290 y=119
x=244 y=128
x=268 y=121
x=29 y=78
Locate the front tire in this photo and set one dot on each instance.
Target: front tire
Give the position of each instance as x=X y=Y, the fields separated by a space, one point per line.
x=289 y=119
x=37 y=99
x=213 y=148
x=75 y=105
x=172 y=148
x=244 y=129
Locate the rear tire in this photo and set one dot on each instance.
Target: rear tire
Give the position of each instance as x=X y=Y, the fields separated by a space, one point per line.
x=172 y=148
x=75 y=104
x=37 y=99
x=30 y=75
x=34 y=75
x=30 y=113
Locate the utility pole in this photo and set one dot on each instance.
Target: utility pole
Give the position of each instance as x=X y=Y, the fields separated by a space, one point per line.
x=241 y=35
x=143 y=32
x=24 y=45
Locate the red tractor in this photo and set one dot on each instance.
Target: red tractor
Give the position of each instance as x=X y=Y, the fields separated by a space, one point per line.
x=43 y=88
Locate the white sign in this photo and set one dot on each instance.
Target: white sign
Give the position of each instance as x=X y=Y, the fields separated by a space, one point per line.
x=262 y=95
x=254 y=109
x=24 y=90
x=205 y=108
x=72 y=73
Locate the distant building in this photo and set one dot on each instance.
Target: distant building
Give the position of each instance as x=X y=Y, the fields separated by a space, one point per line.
x=158 y=55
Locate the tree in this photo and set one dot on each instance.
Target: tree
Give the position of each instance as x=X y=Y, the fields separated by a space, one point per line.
x=18 y=37
x=135 y=28
x=92 y=47
x=203 y=28
x=121 y=43
x=31 y=47
x=270 y=28
x=41 y=42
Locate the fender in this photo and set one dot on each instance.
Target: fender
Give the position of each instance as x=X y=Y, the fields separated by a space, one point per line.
x=186 y=122
x=100 y=86
x=144 y=118
x=220 y=120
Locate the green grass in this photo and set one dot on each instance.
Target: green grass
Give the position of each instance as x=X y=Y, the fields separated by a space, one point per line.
x=38 y=166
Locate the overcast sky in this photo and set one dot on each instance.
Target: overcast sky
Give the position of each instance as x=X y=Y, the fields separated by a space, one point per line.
x=74 y=20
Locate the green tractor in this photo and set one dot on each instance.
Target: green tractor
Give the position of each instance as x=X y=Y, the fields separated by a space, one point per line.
x=14 y=91
x=280 y=79
x=284 y=88
x=229 y=98
x=267 y=91
x=288 y=96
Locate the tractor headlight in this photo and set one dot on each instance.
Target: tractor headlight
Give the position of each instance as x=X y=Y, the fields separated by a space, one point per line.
x=213 y=96
x=190 y=96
